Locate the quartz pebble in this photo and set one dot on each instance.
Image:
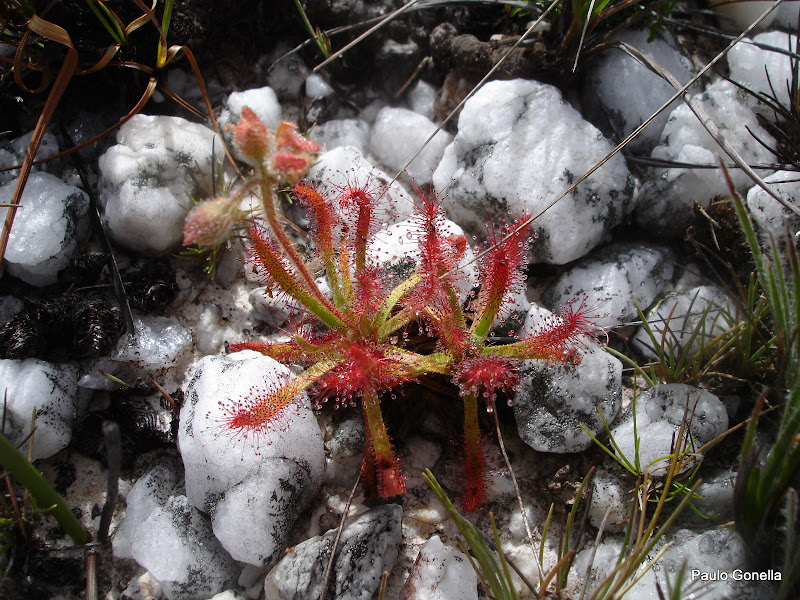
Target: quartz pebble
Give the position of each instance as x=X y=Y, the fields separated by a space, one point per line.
x=13 y=153
x=396 y=250
x=49 y=228
x=48 y=389
x=772 y=218
x=145 y=179
x=398 y=134
x=658 y=415
x=368 y=546
x=666 y=200
x=625 y=93
x=422 y=99
x=440 y=573
x=762 y=70
x=342 y=132
x=261 y=101
x=170 y=538
x=519 y=146
x=719 y=553
x=158 y=344
x=615 y=280
x=342 y=167
x=694 y=317
x=555 y=399
x=263 y=477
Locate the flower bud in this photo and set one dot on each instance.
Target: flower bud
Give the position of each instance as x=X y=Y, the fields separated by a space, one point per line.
x=211 y=222
x=251 y=137
x=287 y=138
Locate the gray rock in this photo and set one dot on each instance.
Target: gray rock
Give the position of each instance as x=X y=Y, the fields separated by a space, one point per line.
x=368 y=546
x=554 y=399
x=625 y=93
x=614 y=279
x=48 y=229
x=658 y=413
x=519 y=145
x=9 y=306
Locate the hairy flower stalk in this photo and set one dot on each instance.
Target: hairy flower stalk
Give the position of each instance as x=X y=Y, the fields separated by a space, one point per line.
x=475 y=471
x=361 y=357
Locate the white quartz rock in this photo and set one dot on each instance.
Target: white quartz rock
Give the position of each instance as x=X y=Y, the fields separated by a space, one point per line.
x=422 y=99
x=341 y=167
x=658 y=413
x=440 y=573
x=158 y=344
x=317 y=87
x=217 y=457
x=51 y=390
x=49 y=226
x=615 y=280
x=771 y=216
x=611 y=500
x=717 y=553
x=13 y=153
x=665 y=204
x=743 y=14
x=368 y=546
x=786 y=14
x=261 y=101
x=151 y=491
x=694 y=317
x=627 y=93
x=253 y=519
x=145 y=179
x=342 y=132
x=177 y=546
x=519 y=145
x=762 y=70
x=554 y=399
x=396 y=250
x=398 y=134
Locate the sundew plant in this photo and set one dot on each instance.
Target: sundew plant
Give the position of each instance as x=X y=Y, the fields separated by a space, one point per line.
x=357 y=352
